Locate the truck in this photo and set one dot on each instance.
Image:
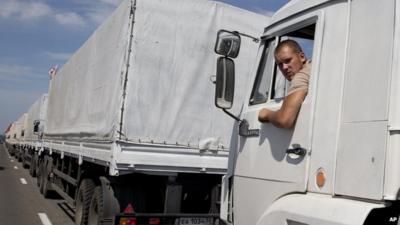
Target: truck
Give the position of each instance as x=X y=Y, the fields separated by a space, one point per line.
x=7 y=135
x=32 y=143
x=340 y=164
x=18 y=133
x=130 y=135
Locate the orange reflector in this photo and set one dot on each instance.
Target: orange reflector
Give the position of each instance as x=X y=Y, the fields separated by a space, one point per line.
x=127 y=221
x=320 y=178
x=129 y=209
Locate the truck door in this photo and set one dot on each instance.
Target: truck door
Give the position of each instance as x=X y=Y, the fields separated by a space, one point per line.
x=274 y=162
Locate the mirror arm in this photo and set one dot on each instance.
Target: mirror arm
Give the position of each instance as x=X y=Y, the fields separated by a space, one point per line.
x=256 y=40
x=231 y=115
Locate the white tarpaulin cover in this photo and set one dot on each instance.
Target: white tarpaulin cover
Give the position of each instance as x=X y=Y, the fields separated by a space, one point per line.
x=37 y=112
x=169 y=94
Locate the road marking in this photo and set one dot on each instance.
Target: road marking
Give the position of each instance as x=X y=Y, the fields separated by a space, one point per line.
x=23 y=181
x=15 y=167
x=45 y=220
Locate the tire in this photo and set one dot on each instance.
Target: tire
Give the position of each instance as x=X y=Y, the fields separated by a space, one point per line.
x=11 y=150
x=32 y=168
x=103 y=206
x=41 y=175
x=19 y=158
x=47 y=167
x=24 y=164
x=83 y=198
x=96 y=209
x=39 y=171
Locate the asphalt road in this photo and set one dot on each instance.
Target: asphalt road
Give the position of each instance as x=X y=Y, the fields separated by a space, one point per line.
x=20 y=200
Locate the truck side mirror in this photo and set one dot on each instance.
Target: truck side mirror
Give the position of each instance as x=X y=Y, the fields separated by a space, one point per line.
x=227 y=44
x=225 y=83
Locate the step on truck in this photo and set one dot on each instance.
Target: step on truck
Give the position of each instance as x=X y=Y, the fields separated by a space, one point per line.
x=131 y=135
x=340 y=164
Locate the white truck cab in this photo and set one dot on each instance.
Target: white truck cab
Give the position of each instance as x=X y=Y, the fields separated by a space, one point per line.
x=340 y=164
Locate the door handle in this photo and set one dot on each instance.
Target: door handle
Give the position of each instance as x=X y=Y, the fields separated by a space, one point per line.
x=244 y=130
x=296 y=150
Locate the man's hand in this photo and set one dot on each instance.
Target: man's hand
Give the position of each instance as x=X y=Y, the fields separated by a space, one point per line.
x=263 y=115
x=286 y=116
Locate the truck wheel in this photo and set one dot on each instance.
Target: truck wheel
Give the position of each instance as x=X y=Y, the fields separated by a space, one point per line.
x=11 y=151
x=104 y=205
x=83 y=198
x=39 y=172
x=96 y=209
x=47 y=167
x=41 y=177
x=19 y=157
x=32 y=168
x=24 y=164
x=20 y=154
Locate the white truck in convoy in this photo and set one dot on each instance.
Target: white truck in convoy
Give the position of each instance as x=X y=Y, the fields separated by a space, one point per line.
x=131 y=135
x=11 y=137
x=18 y=136
x=340 y=164
x=33 y=135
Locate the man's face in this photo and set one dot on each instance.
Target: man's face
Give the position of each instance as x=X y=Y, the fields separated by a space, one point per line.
x=289 y=62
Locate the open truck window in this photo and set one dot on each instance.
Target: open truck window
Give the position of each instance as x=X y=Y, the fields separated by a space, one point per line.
x=270 y=84
x=265 y=69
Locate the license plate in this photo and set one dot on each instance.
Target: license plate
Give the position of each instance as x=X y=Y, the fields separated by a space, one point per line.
x=195 y=221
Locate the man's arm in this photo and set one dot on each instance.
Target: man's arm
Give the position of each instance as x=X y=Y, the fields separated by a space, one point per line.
x=286 y=116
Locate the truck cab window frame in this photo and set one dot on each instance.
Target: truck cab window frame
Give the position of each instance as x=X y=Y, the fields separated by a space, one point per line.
x=270 y=84
x=261 y=87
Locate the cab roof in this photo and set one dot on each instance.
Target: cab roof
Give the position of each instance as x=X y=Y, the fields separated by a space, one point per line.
x=295 y=6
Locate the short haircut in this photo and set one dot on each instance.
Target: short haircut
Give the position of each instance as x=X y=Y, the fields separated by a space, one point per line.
x=292 y=44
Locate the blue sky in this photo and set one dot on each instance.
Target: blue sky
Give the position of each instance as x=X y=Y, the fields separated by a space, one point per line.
x=37 y=34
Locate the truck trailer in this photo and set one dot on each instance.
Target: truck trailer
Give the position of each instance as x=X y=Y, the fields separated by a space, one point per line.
x=130 y=134
x=340 y=164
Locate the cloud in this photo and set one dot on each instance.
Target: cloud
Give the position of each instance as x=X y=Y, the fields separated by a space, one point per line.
x=35 y=10
x=59 y=56
x=28 y=11
x=70 y=19
x=97 y=13
x=8 y=8
x=24 y=10
x=13 y=70
x=17 y=73
x=94 y=12
x=111 y=2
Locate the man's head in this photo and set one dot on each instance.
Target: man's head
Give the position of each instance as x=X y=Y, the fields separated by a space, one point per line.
x=290 y=58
